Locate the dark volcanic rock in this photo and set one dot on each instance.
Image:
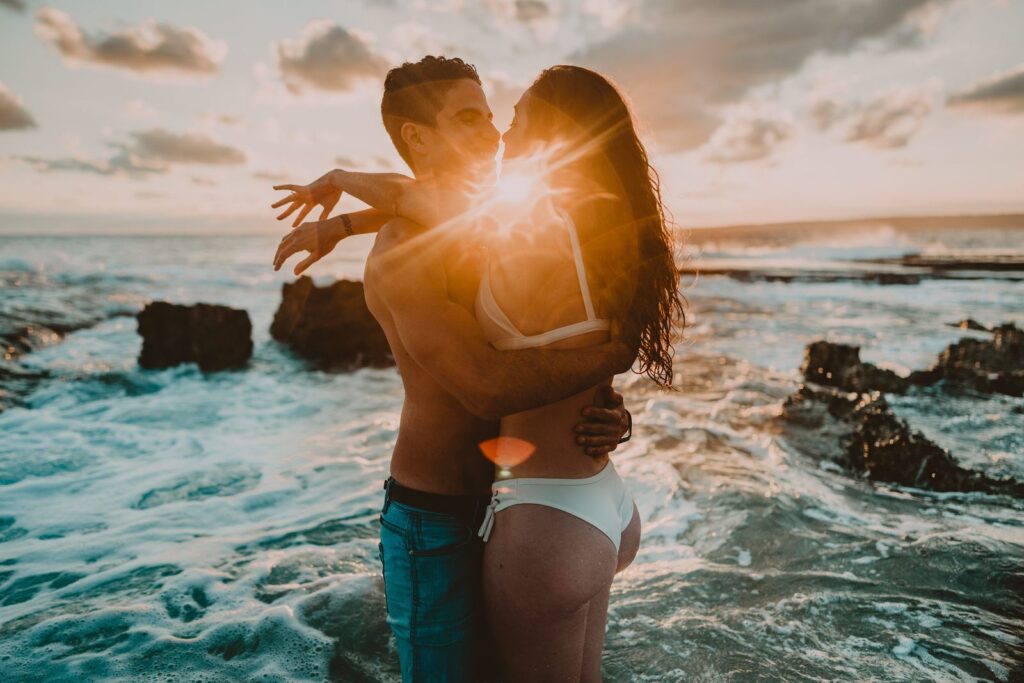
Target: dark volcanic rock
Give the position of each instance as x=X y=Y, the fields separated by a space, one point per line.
x=814 y=276
x=216 y=337
x=859 y=433
x=16 y=381
x=993 y=366
x=330 y=325
x=969 y=324
x=839 y=365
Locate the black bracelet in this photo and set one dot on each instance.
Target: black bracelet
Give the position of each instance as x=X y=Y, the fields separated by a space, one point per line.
x=347 y=222
x=629 y=430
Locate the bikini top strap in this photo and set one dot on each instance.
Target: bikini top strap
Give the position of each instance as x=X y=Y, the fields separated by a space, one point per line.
x=581 y=271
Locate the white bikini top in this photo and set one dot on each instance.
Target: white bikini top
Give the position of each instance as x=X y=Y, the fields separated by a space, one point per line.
x=505 y=336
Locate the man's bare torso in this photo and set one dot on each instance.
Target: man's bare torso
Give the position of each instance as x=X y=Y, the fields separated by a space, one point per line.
x=437 y=448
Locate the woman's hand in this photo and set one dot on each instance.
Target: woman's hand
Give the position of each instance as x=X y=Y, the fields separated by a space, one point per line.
x=319 y=192
x=314 y=237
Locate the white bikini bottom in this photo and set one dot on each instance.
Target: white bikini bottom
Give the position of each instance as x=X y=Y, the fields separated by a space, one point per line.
x=601 y=500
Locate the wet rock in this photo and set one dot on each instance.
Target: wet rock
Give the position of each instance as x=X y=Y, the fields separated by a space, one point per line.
x=969 y=324
x=16 y=382
x=21 y=339
x=940 y=262
x=330 y=326
x=839 y=366
x=809 y=276
x=213 y=336
x=989 y=365
x=858 y=432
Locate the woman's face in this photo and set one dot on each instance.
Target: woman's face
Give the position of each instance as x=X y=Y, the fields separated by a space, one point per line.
x=515 y=138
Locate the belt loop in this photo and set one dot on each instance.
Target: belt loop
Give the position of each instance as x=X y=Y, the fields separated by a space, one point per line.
x=387 y=494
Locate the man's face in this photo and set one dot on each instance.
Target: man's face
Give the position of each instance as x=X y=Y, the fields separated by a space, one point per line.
x=465 y=141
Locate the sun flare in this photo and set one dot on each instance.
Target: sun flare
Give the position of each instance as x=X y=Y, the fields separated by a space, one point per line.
x=516 y=187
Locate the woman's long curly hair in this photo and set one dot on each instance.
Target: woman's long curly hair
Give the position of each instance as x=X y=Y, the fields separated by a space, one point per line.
x=586 y=120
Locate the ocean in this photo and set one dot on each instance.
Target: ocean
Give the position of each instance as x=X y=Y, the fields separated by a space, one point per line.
x=166 y=525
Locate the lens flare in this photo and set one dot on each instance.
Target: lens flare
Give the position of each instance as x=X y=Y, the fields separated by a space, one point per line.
x=507 y=451
x=504 y=207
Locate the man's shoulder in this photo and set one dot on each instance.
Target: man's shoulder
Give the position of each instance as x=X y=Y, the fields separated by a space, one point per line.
x=397 y=230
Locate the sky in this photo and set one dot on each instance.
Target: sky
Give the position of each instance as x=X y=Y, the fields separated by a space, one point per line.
x=179 y=117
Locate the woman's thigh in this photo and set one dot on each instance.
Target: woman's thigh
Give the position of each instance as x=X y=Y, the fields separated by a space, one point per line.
x=542 y=567
x=629 y=543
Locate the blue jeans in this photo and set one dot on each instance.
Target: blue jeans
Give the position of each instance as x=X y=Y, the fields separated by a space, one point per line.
x=432 y=564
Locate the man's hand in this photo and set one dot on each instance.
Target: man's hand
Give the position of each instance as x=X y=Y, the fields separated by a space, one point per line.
x=314 y=237
x=321 y=191
x=606 y=421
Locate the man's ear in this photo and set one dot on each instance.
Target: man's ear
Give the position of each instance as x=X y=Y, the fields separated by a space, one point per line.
x=412 y=135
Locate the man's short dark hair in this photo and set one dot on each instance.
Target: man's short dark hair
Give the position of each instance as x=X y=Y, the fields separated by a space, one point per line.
x=415 y=92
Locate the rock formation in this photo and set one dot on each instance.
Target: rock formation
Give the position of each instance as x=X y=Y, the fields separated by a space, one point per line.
x=331 y=326
x=213 y=336
x=859 y=433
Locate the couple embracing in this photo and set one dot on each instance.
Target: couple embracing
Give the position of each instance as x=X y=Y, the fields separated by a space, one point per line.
x=509 y=308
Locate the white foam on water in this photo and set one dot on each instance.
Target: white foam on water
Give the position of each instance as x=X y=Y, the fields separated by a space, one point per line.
x=170 y=525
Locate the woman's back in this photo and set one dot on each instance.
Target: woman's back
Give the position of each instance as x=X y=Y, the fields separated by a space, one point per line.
x=536 y=293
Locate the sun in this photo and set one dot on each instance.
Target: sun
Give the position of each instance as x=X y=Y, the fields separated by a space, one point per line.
x=515 y=187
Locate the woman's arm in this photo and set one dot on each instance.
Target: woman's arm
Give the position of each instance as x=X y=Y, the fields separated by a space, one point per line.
x=363 y=222
x=393 y=193
x=320 y=237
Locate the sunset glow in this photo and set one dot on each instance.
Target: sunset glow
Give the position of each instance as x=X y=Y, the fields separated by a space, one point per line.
x=914 y=110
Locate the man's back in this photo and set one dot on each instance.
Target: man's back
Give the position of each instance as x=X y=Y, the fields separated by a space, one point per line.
x=437 y=448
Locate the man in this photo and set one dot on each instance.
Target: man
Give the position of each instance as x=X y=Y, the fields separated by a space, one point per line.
x=456 y=385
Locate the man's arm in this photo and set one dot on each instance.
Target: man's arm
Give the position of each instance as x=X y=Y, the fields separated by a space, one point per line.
x=446 y=341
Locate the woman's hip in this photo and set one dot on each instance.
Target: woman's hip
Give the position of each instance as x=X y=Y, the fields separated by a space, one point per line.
x=600 y=501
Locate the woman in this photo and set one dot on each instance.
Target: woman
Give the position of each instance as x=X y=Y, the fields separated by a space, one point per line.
x=590 y=257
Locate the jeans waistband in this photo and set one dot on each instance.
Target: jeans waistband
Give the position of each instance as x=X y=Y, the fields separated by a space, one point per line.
x=456 y=505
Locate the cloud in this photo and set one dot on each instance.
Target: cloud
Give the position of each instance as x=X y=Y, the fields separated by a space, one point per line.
x=152 y=48
x=327 y=57
x=826 y=112
x=748 y=136
x=16 y=5
x=1001 y=93
x=531 y=10
x=212 y=118
x=13 y=115
x=414 y=40
x=149 y=152
x=525 y=11
x=609 y=13
x=277 y=177
x=887 y=121
x=139 y=109
x=682 y=63
x=190 y=148
x=114 y=166
x=374 y=162
x=502 y=95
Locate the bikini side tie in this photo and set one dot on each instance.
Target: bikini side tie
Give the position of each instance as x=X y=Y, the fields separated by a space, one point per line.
x=488 y=523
